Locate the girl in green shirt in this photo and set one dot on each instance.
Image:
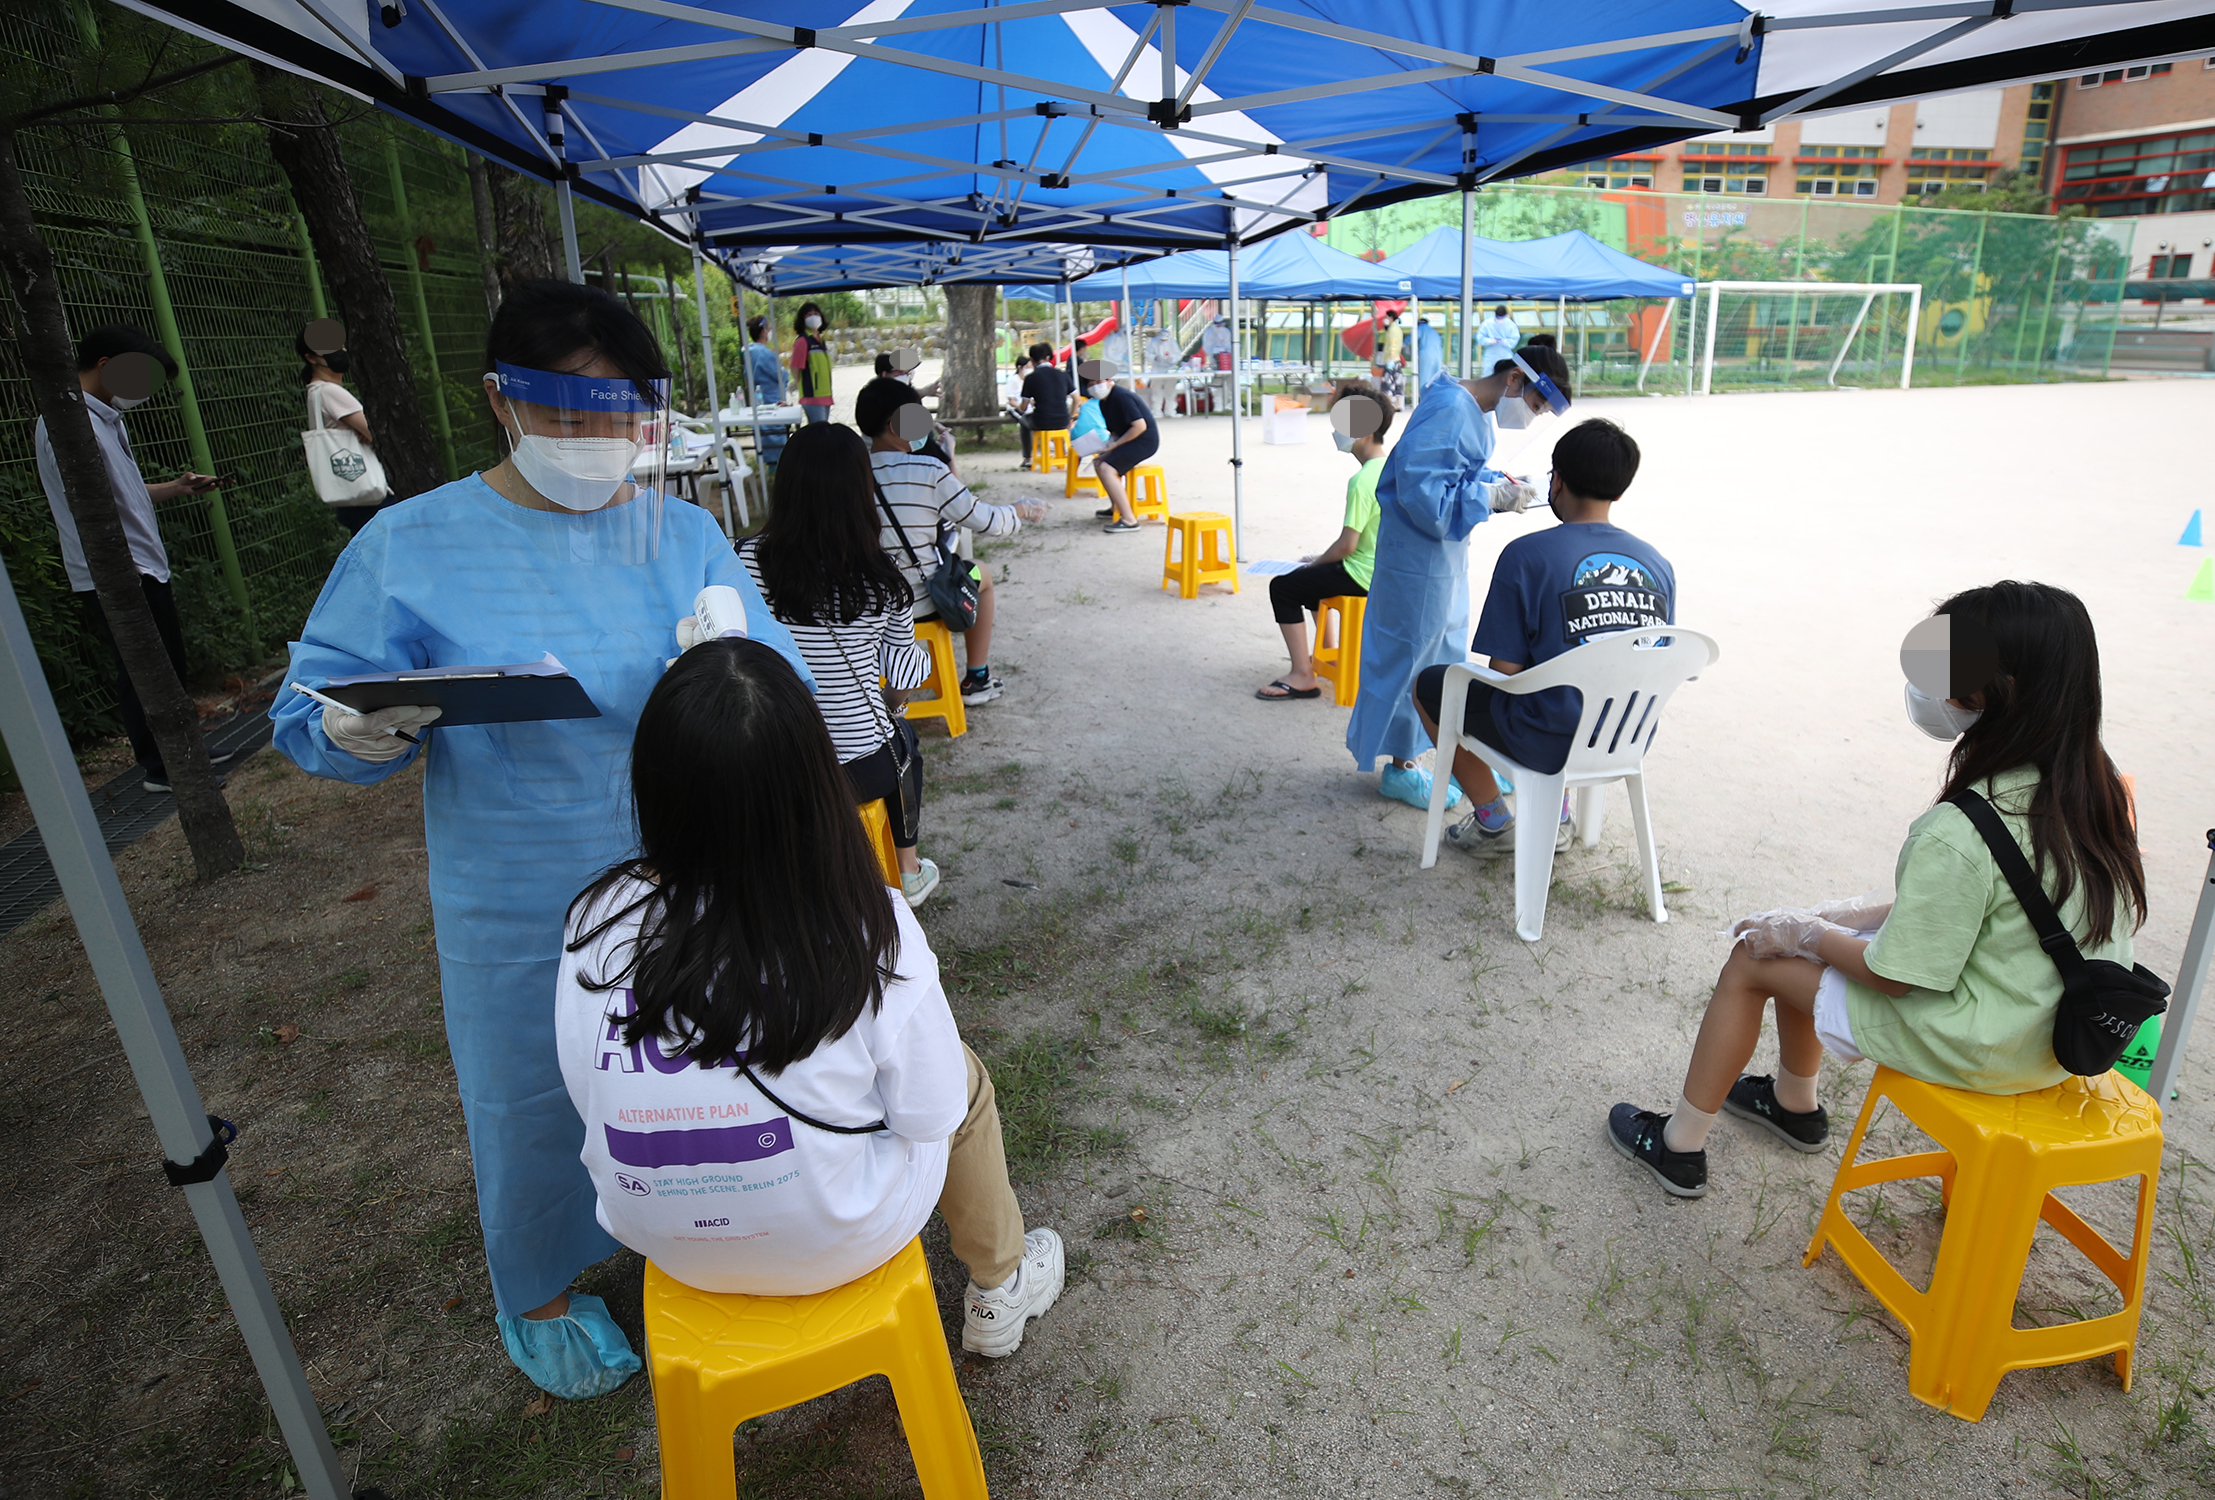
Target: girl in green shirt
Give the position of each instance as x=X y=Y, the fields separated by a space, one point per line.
x=1946 y=983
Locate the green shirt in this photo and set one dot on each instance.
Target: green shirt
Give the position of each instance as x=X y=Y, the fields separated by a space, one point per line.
x=1979 y=1011
x=1361 y=519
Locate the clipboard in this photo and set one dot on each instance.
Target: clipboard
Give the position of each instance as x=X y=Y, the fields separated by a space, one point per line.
x=516 y=693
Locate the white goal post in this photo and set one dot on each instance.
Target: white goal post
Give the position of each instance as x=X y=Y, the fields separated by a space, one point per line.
x=1870 y=290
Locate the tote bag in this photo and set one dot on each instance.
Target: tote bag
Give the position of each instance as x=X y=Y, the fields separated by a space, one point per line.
x=343 y=469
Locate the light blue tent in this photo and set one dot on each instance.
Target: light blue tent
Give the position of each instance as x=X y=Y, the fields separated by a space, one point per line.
x=1289 y=268
x=1572 y=265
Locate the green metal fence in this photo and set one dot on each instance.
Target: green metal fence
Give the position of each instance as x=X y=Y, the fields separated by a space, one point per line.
x=2005 y=296
x=219 y=230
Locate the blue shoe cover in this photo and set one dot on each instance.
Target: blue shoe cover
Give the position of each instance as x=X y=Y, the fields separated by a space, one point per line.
x=1412 y=785
x=576 y=1356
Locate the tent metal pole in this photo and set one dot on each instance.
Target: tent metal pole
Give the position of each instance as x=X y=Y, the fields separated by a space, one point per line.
x=55 y=789
x=2184 y=1001
x=1238 y=413
x=753 y=397
x=1468 y=232
x=1714 y=313
x=1668 y=306
x=715 y=401
x=1130 y=334
x=566 y=210
x=1915 y=317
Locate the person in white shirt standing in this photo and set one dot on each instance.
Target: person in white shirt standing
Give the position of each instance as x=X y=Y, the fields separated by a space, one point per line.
x=774 y=1092
x=135 y=500
x=323 y=378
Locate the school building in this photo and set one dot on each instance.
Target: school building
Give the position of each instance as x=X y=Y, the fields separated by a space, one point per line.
x=2134 y=142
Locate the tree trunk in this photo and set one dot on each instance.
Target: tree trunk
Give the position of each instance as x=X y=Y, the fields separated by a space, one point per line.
x=488 y=233
x=971 y=389
x=51 y=363
x=305 y=145
x=526 y=245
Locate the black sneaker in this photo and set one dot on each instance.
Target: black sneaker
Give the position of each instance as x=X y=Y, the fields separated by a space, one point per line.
x=1103 y=513
x=1637 y=1134
x=1754 y=1097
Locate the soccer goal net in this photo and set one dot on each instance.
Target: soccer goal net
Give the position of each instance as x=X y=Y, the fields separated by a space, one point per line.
x=1752 y=335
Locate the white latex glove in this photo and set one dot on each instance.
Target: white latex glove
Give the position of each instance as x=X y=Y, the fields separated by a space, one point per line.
x=1511 y=495
x=1786 y=932
x=1030 y=510
x=1856 y=913
x=369 y=736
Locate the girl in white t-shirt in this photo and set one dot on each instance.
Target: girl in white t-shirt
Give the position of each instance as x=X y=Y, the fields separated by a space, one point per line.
x=330 y=404
x=751 y=1024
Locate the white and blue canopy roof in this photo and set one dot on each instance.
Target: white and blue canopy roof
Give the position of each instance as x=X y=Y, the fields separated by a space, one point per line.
x=1151 y=127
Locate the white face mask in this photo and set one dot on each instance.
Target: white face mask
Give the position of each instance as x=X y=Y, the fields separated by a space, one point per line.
x=1511 y=415
x=1937 y=717
x=125 y=403
x=1345 y=443
x=575 y=473
x=812 y=321
x=1099 y=388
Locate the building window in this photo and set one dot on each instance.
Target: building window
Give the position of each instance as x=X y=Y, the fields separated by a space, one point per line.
x=1837 y=171
x=2037 y=123
x=2124 y=75
x=2166 y=267
x=1727 y=167
x=1616 y=174
x=2158 y=174
x=1933 y=169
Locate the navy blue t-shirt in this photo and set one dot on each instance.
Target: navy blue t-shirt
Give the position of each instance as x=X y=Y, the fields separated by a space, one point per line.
x=1553 y=590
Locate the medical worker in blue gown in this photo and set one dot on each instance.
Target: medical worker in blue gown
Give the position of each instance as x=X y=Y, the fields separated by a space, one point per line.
x=1436 y=488
x=555 y=550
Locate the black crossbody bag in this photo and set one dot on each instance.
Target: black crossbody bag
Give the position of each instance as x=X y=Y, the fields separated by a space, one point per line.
x=953 y=585
x=807 y=1119
x=2102 y=1003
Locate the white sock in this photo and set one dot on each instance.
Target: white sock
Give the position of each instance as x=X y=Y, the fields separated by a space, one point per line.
x=1795 y=1093
x=1688 y=1127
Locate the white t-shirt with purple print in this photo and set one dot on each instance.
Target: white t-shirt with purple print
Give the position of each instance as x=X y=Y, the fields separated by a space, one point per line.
x=700 y=1173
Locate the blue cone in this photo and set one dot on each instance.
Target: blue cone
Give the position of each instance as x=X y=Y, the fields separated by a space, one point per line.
x=577 y=1356
x=2191 y=537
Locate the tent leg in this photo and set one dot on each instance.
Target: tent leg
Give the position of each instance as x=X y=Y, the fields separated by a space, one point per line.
x=753 y=398
x=1468 y=231
x=1238 y=412
x=55 y=790
x=1654 y=343
x=715 y=401
x=2176 y=1027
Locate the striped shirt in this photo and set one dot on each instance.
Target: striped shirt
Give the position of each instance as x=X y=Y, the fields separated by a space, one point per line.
x=846 y=661
x=925 y=497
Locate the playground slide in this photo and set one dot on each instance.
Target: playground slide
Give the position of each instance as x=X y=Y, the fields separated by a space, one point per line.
x=1106 y=327
x=1360 y=338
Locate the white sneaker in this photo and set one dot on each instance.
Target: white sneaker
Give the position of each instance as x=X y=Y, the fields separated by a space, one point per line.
x=992 y=1322
x=918 y=887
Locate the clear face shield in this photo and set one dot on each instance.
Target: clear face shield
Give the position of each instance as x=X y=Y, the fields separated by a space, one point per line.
x=596 y=449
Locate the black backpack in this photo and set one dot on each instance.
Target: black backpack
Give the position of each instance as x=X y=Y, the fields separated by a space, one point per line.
x=2102 y=1003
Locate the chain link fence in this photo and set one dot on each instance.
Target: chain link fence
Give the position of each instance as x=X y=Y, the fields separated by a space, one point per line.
x=219 y=228
x=2006 y=297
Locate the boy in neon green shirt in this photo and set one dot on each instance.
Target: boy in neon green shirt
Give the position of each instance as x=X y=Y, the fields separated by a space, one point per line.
x=1342 y=568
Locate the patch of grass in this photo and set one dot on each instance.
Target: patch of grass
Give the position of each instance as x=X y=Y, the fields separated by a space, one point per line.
x=503 y=1453
x=1036 y=1081
x=1000 y=778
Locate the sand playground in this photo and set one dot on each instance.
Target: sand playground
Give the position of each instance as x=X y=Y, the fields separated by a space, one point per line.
x=1324 y=1137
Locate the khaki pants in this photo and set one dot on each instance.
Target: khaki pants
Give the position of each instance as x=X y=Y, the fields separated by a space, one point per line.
x=978 y=1205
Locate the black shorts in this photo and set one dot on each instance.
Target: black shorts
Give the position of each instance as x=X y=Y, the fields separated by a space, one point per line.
x=1305 y=587
x=1476 y=716
x=1133 y=453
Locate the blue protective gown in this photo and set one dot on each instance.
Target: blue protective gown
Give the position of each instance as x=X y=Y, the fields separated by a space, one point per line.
x=1430 y=496
x=517 y=818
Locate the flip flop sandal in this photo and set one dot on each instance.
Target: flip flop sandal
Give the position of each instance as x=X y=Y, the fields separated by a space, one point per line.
x=1289 y=692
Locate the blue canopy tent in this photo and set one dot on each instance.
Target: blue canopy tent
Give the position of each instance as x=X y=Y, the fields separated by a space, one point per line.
x=1572 y=265
x=736 y=123
x=1289 y=268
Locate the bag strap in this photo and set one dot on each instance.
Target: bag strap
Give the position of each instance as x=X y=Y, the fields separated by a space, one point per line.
x=806 y=1119
x=894 y=517
x=2008 y=855
x=316 y=415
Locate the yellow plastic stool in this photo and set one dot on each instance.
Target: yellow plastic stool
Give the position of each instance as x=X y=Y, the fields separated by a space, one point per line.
x=876 y=821
x=1199 y=549
x=2003 y=1156
x=719 y=1359
x=1337 y=653
x=1081 y=481
x=944 y=681
x=1147 y=487
x=1049 y=449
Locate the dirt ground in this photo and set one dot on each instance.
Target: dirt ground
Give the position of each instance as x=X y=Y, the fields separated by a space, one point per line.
x=1323 y=1136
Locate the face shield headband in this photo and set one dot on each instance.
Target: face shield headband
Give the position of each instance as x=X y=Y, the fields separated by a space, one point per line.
x=579 y=392
x=1544 y=384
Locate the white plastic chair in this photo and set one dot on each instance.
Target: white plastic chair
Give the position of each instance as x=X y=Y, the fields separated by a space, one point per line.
x=1626 y=679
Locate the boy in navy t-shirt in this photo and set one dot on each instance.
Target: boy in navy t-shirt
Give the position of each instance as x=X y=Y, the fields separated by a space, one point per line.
x=1552 y=591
